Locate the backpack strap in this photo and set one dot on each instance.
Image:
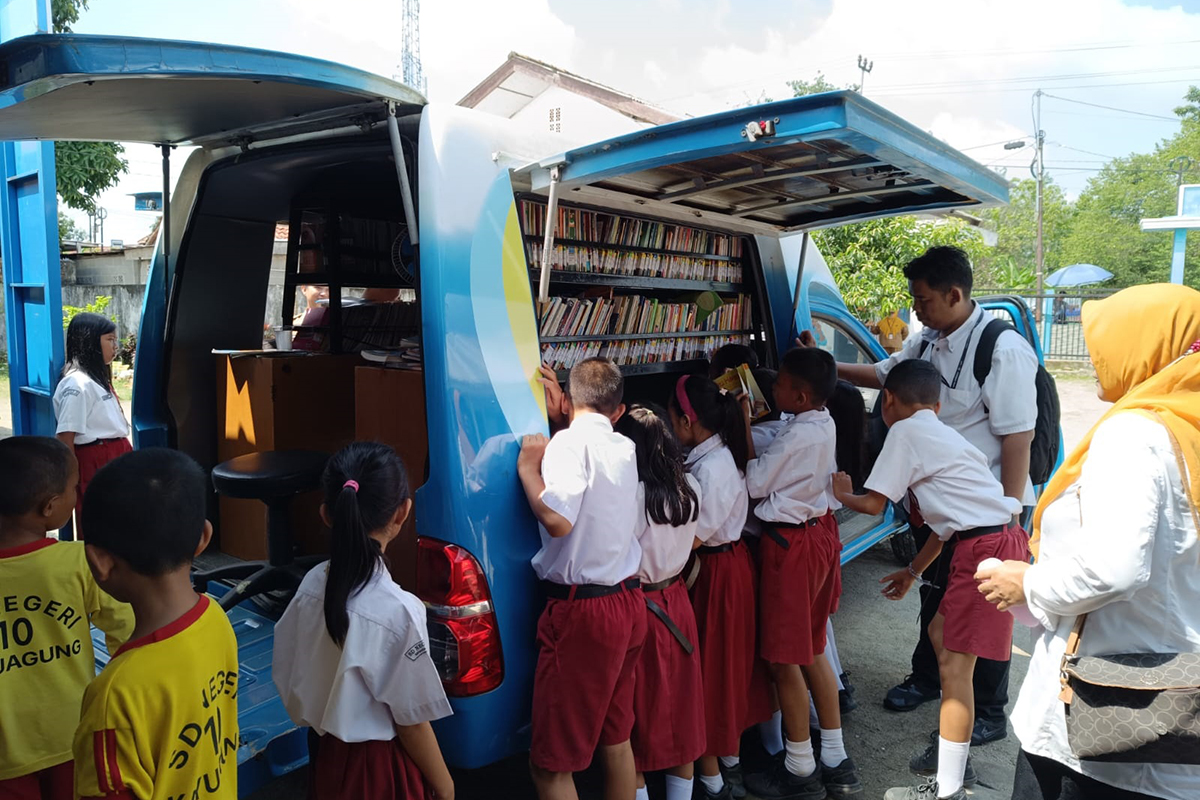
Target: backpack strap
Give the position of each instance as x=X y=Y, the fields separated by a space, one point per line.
x=924 y=347
x=987 y=347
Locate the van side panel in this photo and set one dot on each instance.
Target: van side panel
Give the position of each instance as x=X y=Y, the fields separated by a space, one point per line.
x=480 y=353
x=778 y=284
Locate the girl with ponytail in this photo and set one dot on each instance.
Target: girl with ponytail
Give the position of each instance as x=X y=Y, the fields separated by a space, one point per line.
x=351 y=654
x=711 y=423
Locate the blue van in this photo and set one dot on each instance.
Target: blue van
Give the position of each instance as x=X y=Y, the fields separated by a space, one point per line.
x=700 y=221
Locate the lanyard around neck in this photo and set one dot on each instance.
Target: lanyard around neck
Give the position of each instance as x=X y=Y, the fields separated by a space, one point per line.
x=961 y=359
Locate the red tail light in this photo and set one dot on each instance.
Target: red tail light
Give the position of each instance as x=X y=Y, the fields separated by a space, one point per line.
x=464 y=636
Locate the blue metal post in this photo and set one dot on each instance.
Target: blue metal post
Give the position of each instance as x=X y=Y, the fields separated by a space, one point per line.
x=29 y=249
x=1177 y=255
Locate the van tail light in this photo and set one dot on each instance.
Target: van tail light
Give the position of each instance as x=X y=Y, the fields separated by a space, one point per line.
x=464 y=635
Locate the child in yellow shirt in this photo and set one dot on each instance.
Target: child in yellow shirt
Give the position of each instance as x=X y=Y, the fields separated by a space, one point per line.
x=48 y=600
x=161 y=720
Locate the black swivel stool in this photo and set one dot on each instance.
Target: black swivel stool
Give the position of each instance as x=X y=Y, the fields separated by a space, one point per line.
x=274 y=478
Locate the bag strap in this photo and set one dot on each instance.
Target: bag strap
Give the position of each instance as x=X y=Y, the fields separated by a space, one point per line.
x=987 y=347
x=1068 y=694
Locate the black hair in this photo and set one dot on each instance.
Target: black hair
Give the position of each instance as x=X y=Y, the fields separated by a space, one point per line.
x=670 y=499
x=731 y=356
x=719 y=412
x=83 y=347
x=32 y=470
x=815 y=368
x=942 y=268
x=849 y=414
x=355 y=514
x=915 y=382
x=765 y=378
x=149 y=508
x=596 y=383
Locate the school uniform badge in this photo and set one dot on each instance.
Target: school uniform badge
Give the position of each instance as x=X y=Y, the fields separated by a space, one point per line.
x=416 y=651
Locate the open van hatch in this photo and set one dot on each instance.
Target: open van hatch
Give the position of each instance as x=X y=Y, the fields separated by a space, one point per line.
x=797 y=164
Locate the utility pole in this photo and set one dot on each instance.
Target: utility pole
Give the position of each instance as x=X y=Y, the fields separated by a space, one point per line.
x=1180 y=165
x=1041 y=179
x=864 y=69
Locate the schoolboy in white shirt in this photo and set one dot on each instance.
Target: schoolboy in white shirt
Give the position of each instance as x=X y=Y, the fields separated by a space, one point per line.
x=964 y=504
x=582 y=487
x=800 y=579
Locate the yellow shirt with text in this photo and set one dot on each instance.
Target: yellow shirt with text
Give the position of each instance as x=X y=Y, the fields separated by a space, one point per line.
x=160 y=722
x=48 y=602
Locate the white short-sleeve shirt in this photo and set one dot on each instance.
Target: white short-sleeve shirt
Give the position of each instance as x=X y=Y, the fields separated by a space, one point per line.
x=724 y=502
x=1007 y=401
x=88 y=410
x=591 y=480
x=665 y=547
x=381 y=677
x=1118 y=545
x=954 y=487
x=794 y=473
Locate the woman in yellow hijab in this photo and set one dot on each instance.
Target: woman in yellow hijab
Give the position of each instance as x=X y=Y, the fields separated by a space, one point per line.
x=1115 y=535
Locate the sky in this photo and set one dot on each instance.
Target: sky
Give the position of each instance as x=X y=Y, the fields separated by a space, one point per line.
x=965 y=70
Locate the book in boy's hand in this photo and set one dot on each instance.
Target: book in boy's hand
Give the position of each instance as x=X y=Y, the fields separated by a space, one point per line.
x=740 y=379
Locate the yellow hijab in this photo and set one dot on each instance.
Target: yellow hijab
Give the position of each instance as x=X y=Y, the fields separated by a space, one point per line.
x=1137 y=339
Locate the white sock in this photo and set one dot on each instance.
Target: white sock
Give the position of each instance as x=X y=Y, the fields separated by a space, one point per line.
x=771 y=732
x=679 y=788
x=831 y=653
x=833 y=749
x=799 y=759
x=729 y=762
x=713 y=784
x=952 y=763
x=642 y=793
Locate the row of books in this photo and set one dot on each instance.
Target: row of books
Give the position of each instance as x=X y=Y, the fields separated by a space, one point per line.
x=602 y=228
x=640 y=351
x=598 y=259
x=633 y=314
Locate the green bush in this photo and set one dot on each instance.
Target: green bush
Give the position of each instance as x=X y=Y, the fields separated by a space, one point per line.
x=98 y=306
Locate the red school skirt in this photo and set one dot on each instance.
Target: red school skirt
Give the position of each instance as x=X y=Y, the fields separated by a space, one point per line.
x=723 y=600
x=51 y=783
x=668 y=693
x=92 y=457
x=972 y=624
x=374 y=770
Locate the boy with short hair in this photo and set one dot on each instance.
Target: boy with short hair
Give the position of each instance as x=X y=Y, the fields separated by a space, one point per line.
x=47 y=600
x=161 y=720
x=954 y=490
x=582 y=487
x=800 y=580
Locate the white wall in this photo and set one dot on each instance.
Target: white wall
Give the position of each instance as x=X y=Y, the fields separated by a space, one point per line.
x=583 y=120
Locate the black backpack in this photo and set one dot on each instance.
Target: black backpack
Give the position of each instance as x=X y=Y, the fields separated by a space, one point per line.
x=1043 y=452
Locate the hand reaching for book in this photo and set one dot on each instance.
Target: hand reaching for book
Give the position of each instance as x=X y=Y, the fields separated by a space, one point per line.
x=556 y=399
x=806 y=339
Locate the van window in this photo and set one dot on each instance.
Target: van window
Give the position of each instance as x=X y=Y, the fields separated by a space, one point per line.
x=834 y=338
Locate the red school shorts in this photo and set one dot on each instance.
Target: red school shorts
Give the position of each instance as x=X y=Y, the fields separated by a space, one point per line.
x=668 y=692
x=799 y=589
x=91 y=458
x=972 y=624
x=356 y=770
x=583 y=684
x=51 y=783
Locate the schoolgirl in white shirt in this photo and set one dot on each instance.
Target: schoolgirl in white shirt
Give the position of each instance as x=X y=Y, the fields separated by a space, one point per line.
x=351 y=656
x=710 y=422
x=668 y=698
x=89 y=416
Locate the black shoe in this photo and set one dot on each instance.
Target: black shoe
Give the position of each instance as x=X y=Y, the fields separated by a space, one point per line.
x=926 y=791
x=777 y=783
x=846 y=701
x=986 y=731
x=846 y=684
x=699 y=792
x=909 y=695
x=926 y=764
x=734 y=780
x=842 y=780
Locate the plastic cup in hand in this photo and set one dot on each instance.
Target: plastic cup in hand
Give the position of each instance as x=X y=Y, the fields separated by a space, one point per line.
x=1020 y=613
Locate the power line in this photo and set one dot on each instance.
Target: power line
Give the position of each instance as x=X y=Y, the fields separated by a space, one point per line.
x=1077 y=150
x=1037 y=78
x=983 y=90
x=1111 y=108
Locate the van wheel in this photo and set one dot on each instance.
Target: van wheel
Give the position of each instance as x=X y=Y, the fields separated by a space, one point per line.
x=904 y=546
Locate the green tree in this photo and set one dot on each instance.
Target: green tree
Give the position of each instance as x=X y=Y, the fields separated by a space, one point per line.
x=67 y=229
x=83 y=169
x=817 y=85
x=867 y=258
x=1190 y=110
x=1015 y=224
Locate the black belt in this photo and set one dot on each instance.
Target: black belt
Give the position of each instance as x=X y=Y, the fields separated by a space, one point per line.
x=96 y=441
x=660 y=585
x=771 y=529
x=586 y=591
x=716 y=548
x=975 y=533
x=662 y=614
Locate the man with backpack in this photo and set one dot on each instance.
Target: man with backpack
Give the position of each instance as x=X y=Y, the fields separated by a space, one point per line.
x=996 y=403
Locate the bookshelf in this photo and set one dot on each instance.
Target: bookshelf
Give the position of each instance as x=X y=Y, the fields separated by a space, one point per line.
x=655 y=297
